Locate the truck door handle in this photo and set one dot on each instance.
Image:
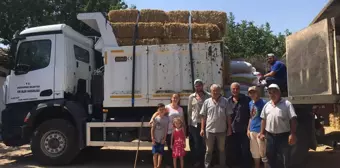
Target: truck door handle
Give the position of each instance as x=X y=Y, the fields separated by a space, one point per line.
x=46 y=93
x=77 y=64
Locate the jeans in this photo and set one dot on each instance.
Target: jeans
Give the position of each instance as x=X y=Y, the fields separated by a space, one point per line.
x=240 y=146
x=277 y=145
x=210 y=141
x=168 y=154
x=281 y=83
x=197 y=145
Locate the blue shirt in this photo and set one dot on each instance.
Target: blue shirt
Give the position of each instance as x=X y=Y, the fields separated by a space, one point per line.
x=255 y=113
x=280 y=69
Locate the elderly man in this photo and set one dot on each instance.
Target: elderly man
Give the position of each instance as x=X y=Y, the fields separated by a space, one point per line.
x=277 y=74
x=278 y=126
x=195 y=104
x=239 y=142
x=215 y=118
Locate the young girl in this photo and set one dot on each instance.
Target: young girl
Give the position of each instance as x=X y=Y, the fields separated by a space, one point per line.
x=174 y=110
x=178 y=142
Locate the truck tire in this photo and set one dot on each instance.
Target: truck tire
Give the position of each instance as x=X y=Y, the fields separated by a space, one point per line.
x=55 y=142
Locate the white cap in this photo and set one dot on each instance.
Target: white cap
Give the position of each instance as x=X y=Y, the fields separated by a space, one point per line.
x=274 y=86
x=271 y=55
x=198 y=81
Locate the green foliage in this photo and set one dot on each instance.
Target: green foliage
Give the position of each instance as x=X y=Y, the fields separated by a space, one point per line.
x=246 y=40
x=19 y=14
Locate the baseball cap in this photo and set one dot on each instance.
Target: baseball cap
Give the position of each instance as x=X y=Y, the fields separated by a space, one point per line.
x=252 y=88
x=274 y=86
x=198 y=81
x=271 y=55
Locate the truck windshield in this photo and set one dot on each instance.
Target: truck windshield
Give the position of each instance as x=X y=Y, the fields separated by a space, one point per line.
x=35 y=54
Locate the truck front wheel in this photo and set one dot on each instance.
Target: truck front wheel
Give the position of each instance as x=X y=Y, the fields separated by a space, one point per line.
x=55 y=142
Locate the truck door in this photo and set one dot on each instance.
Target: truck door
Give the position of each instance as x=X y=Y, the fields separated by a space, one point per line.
x=33 y=78
x=83 y=68
x=311 y=61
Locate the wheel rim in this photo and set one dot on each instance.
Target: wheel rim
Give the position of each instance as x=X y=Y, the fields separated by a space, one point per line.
x=53 y=143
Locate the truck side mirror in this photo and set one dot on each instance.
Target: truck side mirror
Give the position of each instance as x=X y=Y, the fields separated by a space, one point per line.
x=21 y=69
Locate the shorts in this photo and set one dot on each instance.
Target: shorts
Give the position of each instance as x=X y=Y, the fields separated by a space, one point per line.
x=257 y=147
x=158 y=148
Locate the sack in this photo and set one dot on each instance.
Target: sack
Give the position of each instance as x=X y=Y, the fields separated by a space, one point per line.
x=237 y=67
x=244 y=78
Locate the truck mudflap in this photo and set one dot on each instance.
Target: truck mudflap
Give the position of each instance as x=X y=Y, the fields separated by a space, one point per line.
x=14 y=130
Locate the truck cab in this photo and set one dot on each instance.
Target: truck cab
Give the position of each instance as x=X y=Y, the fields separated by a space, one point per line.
x=56 y=53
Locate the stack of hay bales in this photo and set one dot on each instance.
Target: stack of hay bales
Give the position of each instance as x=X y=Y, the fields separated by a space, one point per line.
x=160 y=27
x=334 y=120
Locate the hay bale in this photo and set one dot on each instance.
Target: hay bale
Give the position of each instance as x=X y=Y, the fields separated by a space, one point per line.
x=145 y=30
x=178 y=16
x=180 y=41
x=213 y=17
x=129 y=41
x=205 y=32
x=148 y=15
x=176 y=30
x=128 y=15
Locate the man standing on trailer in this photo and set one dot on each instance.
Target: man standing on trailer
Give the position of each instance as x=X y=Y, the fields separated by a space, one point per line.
x=278 y=126
x=195 y=103
x=239 y=141
x=277 y=74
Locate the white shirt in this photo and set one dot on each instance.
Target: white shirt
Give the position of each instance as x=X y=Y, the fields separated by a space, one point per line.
x=278 y=116
x=172 y=114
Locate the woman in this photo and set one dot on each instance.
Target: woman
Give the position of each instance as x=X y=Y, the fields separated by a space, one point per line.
x=174 y=110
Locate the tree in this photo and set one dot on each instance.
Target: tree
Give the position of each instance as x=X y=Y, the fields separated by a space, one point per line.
x=246 y=40
x=20 y=14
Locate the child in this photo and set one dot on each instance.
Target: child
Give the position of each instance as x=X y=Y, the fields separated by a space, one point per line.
x=257 y=146
x=178 y=142
x=159 y=130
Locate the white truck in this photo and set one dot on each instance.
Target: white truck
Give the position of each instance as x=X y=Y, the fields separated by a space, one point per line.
x=67 y=91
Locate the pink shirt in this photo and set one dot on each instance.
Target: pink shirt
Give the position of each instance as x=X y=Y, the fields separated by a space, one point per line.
x=172 y=114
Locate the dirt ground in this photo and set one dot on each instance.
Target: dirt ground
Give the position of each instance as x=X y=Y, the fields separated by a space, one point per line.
x=21 y=157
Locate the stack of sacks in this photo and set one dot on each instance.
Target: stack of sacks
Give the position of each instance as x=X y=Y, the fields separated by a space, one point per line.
x=243 y=73
x=159 y=27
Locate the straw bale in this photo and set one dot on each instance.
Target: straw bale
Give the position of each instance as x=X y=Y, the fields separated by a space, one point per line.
x=179 y=16
x=214 y=17
x=180 y=41
x=331 y=120
x=127 y=15
x=129 y=41
x=176 y=30
x=206 y=32
x=149 y=15
x=145 y=30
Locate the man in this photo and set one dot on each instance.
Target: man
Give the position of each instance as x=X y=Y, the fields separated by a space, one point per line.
x=278 y=126
x=195 y=103
x=277 y=74
x=214 y=121
x=239 y=142
x=257 y=146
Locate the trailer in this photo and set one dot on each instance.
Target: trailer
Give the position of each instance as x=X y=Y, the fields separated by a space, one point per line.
x=67 y=92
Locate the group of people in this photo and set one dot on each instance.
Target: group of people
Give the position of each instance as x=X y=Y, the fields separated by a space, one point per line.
x=247 y=124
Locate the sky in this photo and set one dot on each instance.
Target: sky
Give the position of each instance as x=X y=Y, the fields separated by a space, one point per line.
x=281 y=14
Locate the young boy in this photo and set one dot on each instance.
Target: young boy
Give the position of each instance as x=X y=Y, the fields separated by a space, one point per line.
x=159 y=130
x=257 y=146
